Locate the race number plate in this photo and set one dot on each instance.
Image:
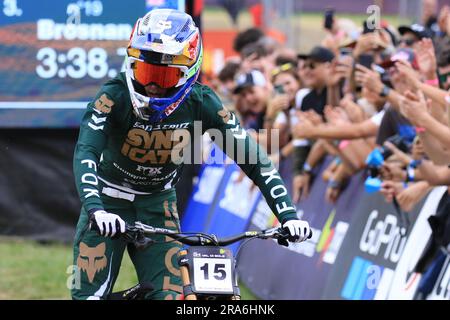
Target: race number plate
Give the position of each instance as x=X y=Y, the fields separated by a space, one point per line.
x=211 y=270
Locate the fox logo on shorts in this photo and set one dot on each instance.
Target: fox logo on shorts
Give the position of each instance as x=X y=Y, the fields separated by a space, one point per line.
x=92 y=260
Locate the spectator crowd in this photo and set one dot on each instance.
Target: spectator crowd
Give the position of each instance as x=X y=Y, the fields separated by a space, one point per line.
x=376 y=100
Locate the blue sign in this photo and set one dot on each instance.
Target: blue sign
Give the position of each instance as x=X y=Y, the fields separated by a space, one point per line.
x=56 y=54
x=357 y=284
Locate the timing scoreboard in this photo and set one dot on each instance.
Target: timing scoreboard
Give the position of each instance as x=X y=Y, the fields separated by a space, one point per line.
x=55 y=55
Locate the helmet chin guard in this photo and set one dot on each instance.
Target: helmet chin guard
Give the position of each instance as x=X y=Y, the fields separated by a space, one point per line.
x=157 y=109
x=163 y=40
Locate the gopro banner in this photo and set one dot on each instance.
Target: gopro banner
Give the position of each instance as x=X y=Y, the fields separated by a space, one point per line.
x=300 y=271
x=381 y=250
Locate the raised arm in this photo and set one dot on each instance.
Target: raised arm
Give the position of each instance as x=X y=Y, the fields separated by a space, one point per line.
x=364 y=129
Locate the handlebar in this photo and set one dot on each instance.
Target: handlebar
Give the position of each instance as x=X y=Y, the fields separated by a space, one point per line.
x=139 y=233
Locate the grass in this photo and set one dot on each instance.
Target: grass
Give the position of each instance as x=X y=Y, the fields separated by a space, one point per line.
x=29 y=270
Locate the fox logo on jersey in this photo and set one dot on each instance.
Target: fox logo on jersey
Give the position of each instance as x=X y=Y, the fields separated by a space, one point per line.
x=92 y=259
x=103 y=104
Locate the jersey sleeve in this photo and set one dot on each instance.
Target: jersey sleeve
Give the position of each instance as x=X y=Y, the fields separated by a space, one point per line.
x=247 y=153
x=94 y=128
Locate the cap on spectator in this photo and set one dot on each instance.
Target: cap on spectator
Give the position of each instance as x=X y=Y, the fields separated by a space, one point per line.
x=319 y=54
x=417 y=29
x=405 y=54
x=349 y=41
x=349 y=33
x=250 y=79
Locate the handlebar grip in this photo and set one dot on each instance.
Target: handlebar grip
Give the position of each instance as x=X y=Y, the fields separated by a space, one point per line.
x=130 y=233
x=284 y=232
x=94 y=227
x=93 y=224
x=284 y=236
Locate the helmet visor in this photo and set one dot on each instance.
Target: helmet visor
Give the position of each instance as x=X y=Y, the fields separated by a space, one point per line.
x=163 y=76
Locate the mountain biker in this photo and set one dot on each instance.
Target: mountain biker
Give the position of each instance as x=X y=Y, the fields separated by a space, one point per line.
x=125 y=162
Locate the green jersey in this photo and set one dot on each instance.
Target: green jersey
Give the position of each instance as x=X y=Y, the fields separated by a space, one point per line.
x=133 y=157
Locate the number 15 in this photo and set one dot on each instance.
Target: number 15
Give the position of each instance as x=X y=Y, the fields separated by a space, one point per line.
x=219 y=271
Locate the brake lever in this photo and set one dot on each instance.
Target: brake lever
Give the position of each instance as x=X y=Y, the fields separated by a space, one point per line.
x=283 y=234
x=275 y=233
x=142 y=242
x=135 y=235
x=278 y=233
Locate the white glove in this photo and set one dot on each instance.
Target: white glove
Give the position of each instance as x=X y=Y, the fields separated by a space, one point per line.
x=298 y=229
x=108 y=223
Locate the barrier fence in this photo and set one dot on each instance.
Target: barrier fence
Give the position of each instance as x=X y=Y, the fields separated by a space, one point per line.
x=357 y=251
x=362 y=249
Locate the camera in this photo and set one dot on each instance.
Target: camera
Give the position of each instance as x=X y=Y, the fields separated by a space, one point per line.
x=329 y=19
x=366 y=60
x=366 y=27
x=376 y=159
x=279 y=89
x=384 y=75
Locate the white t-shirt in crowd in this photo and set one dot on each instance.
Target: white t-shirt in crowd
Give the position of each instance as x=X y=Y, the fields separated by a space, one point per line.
x=378 y=117
x=282 y=118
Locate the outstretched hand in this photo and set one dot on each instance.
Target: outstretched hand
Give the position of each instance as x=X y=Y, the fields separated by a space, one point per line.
x=408 y=73
x=426 y=58
x=304 y=129
x=415 y=107
x=369 y=79
x=398 y=154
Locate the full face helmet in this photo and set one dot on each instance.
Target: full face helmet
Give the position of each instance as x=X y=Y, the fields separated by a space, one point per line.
x=165 y=49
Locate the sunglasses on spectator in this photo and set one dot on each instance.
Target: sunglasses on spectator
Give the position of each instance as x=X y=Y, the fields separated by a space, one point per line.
x=311 y=65
x=408 y=42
